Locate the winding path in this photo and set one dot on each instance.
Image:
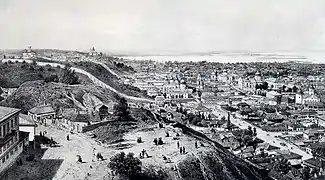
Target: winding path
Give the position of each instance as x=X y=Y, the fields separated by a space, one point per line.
x=95 y=80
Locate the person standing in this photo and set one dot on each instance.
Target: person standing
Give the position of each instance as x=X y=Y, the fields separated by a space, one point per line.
x=68 y=138
x=177 y=144
x=183 y=150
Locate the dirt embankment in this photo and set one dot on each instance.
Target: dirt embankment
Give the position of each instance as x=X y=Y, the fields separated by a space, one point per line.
x=34 y=93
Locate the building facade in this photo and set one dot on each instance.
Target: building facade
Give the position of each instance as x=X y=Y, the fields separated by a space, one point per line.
x=11 y=144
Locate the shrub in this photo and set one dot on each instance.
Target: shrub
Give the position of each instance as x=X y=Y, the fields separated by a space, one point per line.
x=69 y=76
x=139 y=140
x=52 y=78
x=125 y=165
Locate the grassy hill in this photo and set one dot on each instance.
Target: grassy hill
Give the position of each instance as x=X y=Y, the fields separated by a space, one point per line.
x=102 y=74
x=33 y=93
x=14 y=74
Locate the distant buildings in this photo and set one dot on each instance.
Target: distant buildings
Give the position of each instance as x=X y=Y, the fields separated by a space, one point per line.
x=29 y=53
x=92 y=52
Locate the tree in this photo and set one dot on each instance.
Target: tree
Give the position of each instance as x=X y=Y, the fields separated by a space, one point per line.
x=282 y=165
x=254 y=131
x=265 y=86
x=69 y=76
x=52 y=78
x=306 y=173
x=123 y=165
x=121 y=109
x=250 y=131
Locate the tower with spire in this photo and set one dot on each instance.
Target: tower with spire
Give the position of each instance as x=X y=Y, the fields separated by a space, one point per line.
x=199 y=82
x=92 y=52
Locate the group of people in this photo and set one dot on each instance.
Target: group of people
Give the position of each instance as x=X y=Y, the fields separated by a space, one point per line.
x=42 y=133
x=143 y=153
x=181 y=149
x=158 y=141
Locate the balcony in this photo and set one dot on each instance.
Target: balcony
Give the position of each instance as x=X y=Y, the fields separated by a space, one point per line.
x=8 y=137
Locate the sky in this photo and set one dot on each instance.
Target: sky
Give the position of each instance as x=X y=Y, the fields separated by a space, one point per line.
x=164 y=26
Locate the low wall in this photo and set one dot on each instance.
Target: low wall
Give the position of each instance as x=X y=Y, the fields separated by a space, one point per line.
x=96 y=125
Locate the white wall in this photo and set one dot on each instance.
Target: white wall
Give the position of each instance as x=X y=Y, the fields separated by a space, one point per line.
x=29 y=129
x=12 y=158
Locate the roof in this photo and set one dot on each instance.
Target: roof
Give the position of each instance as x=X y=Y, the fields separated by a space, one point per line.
x=77 y=116
x=6 y=112
x=315 y=162
x=44 y=109
x=203 y=108
x=288 y=154
x=26 y=120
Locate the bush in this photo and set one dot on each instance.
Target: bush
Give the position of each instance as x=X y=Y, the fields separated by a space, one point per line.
x=154 y=173
x=139 y=140
x=69 y=76
x=125 y=165
x=52 y=78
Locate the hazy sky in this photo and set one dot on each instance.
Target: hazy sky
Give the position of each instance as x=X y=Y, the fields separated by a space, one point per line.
x=147 y=26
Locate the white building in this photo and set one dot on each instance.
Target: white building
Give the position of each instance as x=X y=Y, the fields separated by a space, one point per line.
x=44 y=114
x=92 y=52
x=29 y=53
x=12 y=140
x=309 y=99
x=26 y=124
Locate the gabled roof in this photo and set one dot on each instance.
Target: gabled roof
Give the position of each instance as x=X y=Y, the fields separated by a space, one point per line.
x=203 y=108
x=44 y=109
x=315 y=162
x=26 y=120
x=7 y=112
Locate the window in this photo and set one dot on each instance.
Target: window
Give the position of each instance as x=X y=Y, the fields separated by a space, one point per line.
x=11 y=152
x=4 y=131
x=3 y=160
x=16 y=148
x=7 y=156
x=12 y=123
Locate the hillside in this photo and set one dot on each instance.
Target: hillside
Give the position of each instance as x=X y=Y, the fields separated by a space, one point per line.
x=102 y=74
x=33 y=93
x=14 y=74
x=210 y=161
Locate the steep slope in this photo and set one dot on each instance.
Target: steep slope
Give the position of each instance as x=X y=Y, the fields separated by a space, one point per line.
x=33 y=93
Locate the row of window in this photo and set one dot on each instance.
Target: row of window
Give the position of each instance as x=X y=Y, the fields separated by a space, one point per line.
x=10 y=124
x=8 y=145
x=7 y=156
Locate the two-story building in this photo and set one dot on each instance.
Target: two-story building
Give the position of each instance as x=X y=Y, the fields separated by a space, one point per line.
x=11 y=140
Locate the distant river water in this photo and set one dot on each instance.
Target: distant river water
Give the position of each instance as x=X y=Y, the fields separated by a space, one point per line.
x=308 y=57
